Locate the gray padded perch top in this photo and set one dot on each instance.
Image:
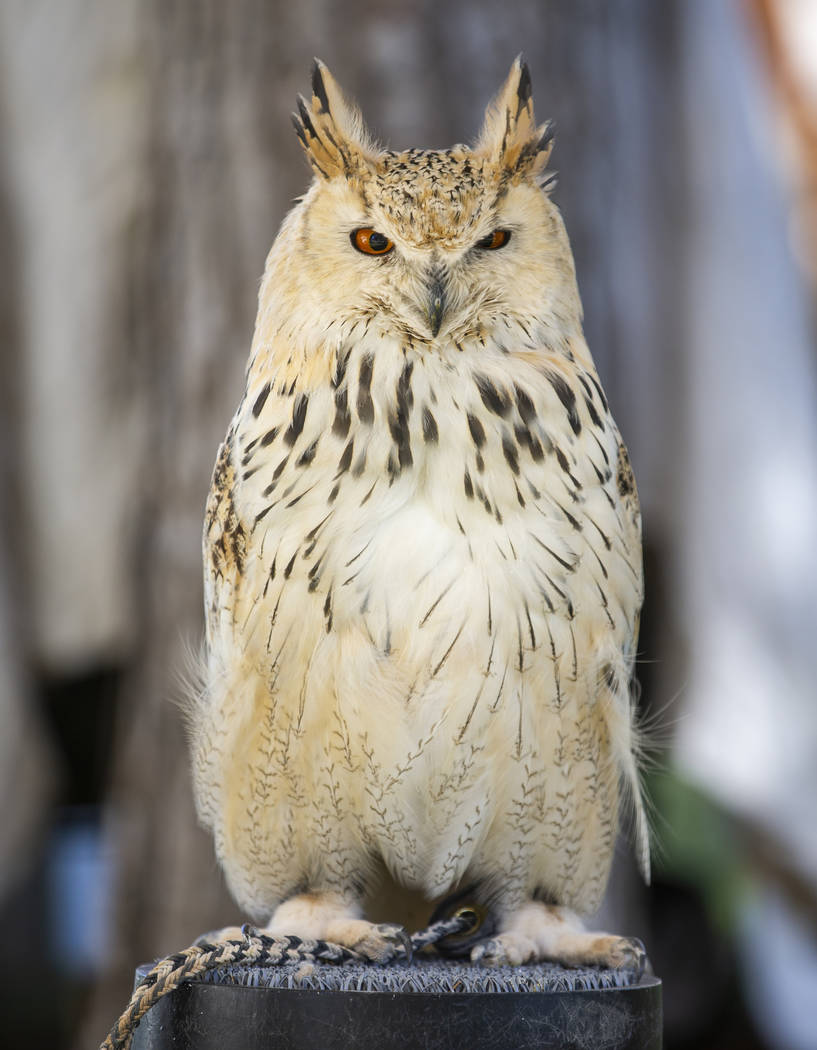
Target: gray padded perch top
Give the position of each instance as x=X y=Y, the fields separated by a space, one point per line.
x=433 y=1004
x=430 y=976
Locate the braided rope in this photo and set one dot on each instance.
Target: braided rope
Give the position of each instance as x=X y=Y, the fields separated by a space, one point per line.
x=253 y=949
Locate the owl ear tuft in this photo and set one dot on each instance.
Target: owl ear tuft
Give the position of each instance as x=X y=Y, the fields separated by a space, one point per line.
x=331 y=130
x=510 y=136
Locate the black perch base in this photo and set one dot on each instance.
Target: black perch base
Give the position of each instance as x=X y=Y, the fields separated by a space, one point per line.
x=429 y=1005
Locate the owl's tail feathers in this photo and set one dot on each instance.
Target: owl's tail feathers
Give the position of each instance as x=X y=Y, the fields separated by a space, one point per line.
x=331 y=130
x=628 y=746
x=632 y=778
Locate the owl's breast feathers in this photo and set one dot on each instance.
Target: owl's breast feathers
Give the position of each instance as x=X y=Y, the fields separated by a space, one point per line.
x=450 y=544
x=499 y=450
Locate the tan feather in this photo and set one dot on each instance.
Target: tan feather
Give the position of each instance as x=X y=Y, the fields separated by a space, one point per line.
x=509 y=135
x=331 y=130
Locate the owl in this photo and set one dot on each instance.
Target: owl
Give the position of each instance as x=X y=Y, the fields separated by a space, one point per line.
x=422 y=559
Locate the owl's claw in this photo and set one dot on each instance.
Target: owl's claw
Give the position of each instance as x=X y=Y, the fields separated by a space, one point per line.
x=397 y=936
x=400 y=937
x=629 y=953
x=503 y=950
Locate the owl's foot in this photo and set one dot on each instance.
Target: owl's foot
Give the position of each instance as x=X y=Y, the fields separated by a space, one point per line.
x=376 y=941
x=540 y=932
x=327 y=916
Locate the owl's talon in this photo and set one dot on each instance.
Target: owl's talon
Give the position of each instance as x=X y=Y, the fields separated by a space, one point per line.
x=397 y=936
x=405 y=941
x=502 y=951
x=630 y=954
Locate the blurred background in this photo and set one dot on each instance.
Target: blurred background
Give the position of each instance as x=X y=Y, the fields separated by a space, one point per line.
x=146 y=161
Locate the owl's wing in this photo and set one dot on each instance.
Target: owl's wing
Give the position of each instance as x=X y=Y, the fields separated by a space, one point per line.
x=260 y=515
x=224 y=544
x=626 y=495
x=586 y=492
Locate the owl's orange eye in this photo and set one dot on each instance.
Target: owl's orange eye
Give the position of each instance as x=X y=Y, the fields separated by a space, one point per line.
x=497 y=239
x=370 y=242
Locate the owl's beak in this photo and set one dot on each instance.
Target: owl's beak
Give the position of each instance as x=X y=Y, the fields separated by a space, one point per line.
x=435 y=304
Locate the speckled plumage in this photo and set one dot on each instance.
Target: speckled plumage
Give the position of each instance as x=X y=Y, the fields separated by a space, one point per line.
x=422 y=557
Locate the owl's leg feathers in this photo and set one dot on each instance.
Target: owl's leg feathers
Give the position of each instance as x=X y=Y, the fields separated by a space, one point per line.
x=328 y=916
x=538 y=932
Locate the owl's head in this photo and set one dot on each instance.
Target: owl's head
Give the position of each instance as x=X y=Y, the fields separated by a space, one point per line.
x=438 y=245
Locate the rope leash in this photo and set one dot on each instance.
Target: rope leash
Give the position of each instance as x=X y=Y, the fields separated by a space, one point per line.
x=253 y=949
